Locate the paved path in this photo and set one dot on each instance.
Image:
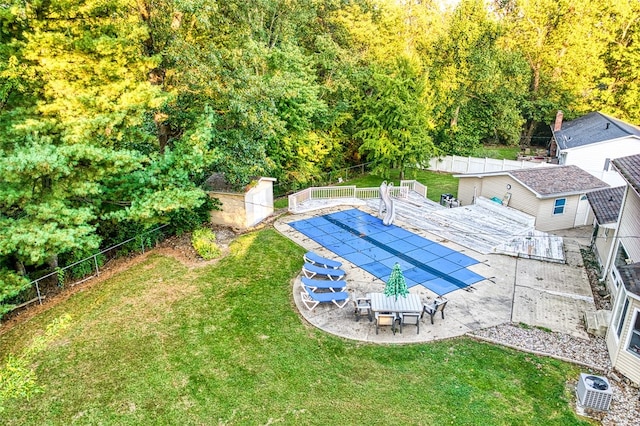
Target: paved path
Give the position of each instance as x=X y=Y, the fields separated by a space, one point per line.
x=544 y=294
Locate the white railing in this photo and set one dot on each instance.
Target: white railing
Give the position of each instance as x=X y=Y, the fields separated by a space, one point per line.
x=351 y=191
x=414 y=185
x=367 y=193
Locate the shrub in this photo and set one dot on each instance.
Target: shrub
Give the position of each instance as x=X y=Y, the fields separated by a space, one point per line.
x=204 y=243
x=11 y=285
x=182 y=220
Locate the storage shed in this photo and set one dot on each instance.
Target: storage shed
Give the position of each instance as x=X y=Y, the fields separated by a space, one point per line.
x=241 y=209
x=555 y=196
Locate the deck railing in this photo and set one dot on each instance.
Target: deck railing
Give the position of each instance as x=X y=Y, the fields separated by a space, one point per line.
x=414 y=185
x=351 y=191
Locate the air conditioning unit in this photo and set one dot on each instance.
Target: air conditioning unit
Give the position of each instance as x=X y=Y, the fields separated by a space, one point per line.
x=594 y=392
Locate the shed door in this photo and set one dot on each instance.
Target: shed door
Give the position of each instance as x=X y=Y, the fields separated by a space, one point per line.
x=582 y=214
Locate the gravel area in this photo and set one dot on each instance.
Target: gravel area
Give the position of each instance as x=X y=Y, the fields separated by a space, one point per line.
x=591 y=354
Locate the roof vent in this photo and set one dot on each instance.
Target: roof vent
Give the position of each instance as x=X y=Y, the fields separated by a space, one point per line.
x=594 y=392
x=607 y=127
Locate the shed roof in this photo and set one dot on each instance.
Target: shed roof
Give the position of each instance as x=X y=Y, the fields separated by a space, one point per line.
x=593 y=128
x=558 y=180
x=217 y=182
x=606 y=204
x=546 y=182
x=629 y=168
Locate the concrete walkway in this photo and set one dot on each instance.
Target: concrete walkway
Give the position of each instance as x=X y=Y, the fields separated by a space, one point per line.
x=538 y=293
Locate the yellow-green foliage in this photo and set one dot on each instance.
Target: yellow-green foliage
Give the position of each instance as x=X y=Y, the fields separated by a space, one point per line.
x=17 y=377
x=204 y=243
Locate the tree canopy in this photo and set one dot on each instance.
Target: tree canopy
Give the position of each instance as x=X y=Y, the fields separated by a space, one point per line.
x=114 y=112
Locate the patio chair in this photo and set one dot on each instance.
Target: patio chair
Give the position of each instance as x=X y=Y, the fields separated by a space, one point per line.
x=432 y=309
x=410 y=318
x=386 y=319
x=324 y=284
x=323 y=262
x=310 y=270
x=312 y=299
x=362 y=306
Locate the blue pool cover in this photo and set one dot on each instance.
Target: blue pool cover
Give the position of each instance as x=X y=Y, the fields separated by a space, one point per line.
x=366 y=242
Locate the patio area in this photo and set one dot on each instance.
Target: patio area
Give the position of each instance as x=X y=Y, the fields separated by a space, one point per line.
x=543 y=294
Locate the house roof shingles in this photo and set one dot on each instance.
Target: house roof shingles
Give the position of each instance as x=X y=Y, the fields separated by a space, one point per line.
x=630 y=275
x=548 y=181
x=606 y=204
x=629 y=168
x=592 y=128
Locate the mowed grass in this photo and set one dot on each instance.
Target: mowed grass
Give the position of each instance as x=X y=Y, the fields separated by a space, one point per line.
x=437 y=183
x=224 y=344
x=499 y=152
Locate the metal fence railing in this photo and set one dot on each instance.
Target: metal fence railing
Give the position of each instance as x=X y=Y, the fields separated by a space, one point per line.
x=85 y=269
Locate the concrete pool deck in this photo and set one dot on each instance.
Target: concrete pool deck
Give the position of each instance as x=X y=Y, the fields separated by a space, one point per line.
x=538 y=293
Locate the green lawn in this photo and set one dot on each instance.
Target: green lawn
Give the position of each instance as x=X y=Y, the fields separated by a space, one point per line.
x=224 y=344
x=437 y=183
x=499 y=152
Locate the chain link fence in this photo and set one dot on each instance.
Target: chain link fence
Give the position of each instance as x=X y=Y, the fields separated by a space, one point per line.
x=83 y=270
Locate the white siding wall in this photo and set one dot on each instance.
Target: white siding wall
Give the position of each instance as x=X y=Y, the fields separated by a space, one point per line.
x=547 y=221
x=496 y=186
x=259 y=202
x=592 y=157
x=603 y=245
x=630 y=225
x=624 y=361
x=466 y=189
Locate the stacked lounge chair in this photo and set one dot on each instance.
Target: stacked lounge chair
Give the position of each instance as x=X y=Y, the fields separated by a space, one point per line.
x=321 y=274
x=310 y=271
x=323 y=262
x=324 y=284
x=311 y=299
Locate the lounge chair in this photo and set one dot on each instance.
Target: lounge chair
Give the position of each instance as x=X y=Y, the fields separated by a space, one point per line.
x=410 y=319
x=309 y=270
x=324 y=284
x=323 y=262
x=312 y=299
x=432 y=309
x=383 y=319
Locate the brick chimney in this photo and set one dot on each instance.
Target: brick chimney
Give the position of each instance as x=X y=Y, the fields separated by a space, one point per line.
x=558 y=123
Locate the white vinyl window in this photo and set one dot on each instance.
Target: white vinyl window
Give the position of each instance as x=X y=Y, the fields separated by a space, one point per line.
x=619 y=313
x=558 y=205
x=634 y=341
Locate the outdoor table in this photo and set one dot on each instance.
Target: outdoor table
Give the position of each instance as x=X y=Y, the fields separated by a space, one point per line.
x=382 y=303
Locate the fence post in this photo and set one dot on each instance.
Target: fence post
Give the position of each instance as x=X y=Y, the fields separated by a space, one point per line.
x=38 y=290
x=95 y=262
x=142 y=243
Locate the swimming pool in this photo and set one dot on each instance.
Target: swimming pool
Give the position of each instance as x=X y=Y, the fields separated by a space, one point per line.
x=365 y=241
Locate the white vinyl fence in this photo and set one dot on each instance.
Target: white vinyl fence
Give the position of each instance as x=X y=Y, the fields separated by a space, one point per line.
x=456 y=164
